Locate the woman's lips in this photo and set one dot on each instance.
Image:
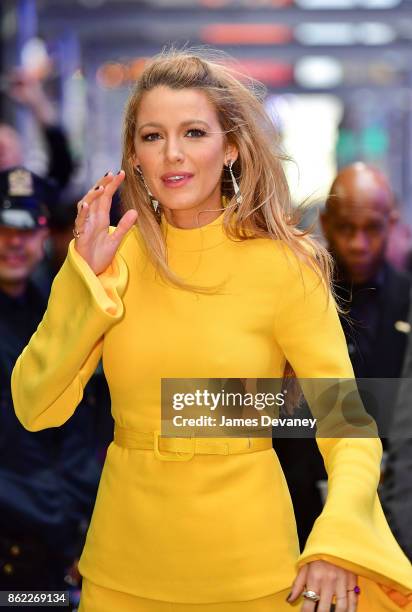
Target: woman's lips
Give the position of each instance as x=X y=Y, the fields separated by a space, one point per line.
x=178 y=179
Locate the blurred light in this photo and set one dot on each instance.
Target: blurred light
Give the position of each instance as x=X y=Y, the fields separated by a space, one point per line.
x=111 y=75
x=267 y=71
x=214 y=3
x=405 y=28
x=325 y=33
x=318 y=72
x=34 y=58
x=176 y=3
x=326 y=4
x=251 y=3
x=279 y=111
x=9 y=23
x=383 y=74
x=344 y=33
x=305 y=119
x=136 y=68
x=381 y=4
x=375 y=33
x=347 y=4
x=92 y=3
x=375 y=141
x=246 y=34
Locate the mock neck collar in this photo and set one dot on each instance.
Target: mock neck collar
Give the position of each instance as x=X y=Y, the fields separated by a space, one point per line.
x=200 y=238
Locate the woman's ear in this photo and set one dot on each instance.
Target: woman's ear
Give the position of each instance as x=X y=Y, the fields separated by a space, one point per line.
x=231 y=153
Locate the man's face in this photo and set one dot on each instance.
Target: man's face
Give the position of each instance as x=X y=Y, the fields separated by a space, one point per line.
x=10 y=147
x=357 y=235
x=20 y=252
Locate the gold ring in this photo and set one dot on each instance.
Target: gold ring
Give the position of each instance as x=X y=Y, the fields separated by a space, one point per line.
x=76 y=234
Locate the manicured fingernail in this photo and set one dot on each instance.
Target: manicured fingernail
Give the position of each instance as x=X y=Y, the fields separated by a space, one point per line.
x=96 y=188
x=120 y=171
x=107 y=173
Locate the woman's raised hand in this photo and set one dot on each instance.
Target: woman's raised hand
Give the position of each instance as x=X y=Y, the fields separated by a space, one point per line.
x=92 y=239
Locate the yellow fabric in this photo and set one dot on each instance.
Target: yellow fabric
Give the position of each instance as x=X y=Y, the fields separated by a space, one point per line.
x=95 y=598
x=212 y=529
x=128 y=438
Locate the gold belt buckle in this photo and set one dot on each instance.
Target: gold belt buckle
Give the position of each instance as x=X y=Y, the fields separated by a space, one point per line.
x=176 y=456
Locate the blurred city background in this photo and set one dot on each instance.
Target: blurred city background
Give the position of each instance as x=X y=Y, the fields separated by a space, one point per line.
x=338 y=75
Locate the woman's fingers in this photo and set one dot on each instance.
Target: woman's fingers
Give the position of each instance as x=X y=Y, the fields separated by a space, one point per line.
x=326 y=595
x=115 y=182
x=308 y=605
x=352 y=596
x=108 y=183
x=299 y=584
x=82 y=216
x=125 y=223
x=106 y=186
x=342 y=593
x=109 y=190
x=90 y=197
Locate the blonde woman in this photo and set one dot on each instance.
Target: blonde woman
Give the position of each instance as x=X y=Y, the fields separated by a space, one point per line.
x=206 y=276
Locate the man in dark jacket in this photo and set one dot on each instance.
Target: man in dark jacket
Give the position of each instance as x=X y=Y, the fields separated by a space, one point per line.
x=356 y=222
x=396 y=491
x=358 y=217
x=48 y=479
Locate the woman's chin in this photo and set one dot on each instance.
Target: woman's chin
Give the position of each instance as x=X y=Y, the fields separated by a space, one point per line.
x=179 y=204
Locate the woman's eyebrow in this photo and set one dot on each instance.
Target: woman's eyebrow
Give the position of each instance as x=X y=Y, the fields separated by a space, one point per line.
x=184 y=123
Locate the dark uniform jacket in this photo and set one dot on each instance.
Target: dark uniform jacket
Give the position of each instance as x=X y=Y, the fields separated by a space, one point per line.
x=48 y=479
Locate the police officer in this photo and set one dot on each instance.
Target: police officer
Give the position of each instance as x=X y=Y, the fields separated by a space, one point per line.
x=48 y=479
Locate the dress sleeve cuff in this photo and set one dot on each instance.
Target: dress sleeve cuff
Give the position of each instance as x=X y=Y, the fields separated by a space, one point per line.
x=106 y=288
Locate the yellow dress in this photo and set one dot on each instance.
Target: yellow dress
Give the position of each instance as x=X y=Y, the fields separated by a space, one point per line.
x=212 y=529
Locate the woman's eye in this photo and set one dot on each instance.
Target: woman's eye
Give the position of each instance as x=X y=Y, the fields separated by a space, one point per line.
x=150 y=137
x=195 y=133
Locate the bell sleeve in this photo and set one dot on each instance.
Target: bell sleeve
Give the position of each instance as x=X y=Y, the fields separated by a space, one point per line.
x=49 y=376
x=351 y=531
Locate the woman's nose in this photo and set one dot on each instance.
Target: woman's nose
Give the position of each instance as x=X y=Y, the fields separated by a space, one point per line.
x=174 y=151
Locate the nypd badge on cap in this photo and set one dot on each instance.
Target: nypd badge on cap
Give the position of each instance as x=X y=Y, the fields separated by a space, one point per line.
x=24 y=199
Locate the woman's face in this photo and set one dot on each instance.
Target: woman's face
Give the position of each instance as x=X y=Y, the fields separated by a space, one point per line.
x=181 y=150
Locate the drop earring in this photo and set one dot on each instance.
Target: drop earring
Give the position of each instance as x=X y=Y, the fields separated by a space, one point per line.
x=236 y=189
x=154 y=202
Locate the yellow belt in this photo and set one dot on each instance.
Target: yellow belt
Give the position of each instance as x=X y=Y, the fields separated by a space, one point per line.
x=183 y=449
